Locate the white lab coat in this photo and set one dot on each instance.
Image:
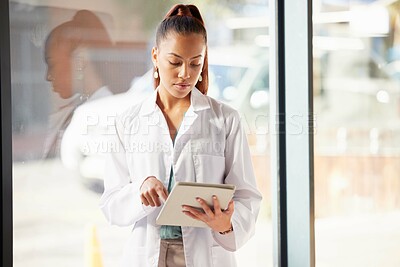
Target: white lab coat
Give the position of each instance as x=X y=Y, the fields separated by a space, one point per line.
x=76 y=134
x=60 y=121
x=210 y=147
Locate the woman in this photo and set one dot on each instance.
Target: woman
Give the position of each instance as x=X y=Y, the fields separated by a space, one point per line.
x=73 y=70
x=180 y=134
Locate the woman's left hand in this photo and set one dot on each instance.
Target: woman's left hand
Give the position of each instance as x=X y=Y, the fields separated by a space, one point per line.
x=218 y=220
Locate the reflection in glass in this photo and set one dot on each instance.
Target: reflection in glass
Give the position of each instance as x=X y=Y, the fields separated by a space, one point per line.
x=74 y=70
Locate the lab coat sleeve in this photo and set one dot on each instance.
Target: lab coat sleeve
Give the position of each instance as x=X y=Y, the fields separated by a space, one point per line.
x=120 y=202
x=247 y=198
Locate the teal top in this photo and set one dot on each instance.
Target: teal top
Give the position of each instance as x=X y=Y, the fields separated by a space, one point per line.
x=169 y=231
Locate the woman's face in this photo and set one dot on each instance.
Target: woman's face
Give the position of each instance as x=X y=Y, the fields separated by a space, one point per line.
x=179 y=60
x=59 y=69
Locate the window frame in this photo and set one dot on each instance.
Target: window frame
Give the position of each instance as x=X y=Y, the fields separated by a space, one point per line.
x=292 y=169
x=5 y=140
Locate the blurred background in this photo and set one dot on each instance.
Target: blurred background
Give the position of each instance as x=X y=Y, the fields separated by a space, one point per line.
x=77 y=64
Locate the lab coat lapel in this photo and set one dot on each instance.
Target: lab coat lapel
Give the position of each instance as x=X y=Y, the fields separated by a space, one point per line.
x=154 y=116
x=152 y=113
x=198 y=102
x=186 y=124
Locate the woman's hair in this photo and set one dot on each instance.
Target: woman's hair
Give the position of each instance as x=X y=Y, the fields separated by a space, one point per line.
x=84 y=29
x=184 y=20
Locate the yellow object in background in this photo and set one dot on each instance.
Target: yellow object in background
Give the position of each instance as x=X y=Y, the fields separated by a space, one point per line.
x=92 y=248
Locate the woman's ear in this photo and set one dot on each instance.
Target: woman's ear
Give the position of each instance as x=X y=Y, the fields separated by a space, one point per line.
x=154 y=56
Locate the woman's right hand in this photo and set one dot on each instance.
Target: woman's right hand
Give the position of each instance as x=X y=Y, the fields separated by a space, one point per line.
x=151 y=191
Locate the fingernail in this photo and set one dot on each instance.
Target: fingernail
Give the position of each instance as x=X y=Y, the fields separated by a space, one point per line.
x=214 y=197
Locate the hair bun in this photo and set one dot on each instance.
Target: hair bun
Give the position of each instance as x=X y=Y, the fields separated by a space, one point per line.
x=182 y=10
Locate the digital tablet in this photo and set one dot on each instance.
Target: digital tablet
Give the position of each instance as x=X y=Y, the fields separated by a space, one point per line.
x=185 y=193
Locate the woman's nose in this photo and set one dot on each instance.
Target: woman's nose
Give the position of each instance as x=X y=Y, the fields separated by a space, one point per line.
x=184 y=72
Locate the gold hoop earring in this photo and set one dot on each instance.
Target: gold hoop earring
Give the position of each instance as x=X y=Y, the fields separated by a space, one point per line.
x=155 y=74
x=200 y=78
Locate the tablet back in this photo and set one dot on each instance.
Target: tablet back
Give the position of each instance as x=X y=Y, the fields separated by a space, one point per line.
x=185 y=193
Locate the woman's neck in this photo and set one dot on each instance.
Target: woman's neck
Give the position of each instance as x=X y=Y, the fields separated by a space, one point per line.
x=166 y=101
x=92 y=81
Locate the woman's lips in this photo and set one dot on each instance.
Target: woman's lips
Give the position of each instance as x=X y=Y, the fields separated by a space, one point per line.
x=182 y=86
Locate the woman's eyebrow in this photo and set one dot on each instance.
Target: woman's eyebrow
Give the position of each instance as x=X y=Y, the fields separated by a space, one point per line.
x=176 y=55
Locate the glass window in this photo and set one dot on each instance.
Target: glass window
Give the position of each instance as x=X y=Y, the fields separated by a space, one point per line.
x=77 y=65
x=357 y=149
